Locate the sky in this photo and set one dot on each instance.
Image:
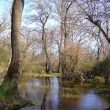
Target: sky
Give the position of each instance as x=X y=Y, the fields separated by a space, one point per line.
x=4 y=7
x=1 y=5
x=5 y=10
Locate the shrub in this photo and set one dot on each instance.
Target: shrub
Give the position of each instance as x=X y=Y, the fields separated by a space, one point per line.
x=38 y=69
x=99 y=80
x=89 y=81
x=102 y=67
x=85 y=66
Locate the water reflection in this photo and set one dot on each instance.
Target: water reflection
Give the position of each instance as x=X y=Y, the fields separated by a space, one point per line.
x=91 y=101
x=49 y=99
x=43 y=104
x=52 y=97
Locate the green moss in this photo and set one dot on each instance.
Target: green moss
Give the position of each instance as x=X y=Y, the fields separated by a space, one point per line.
x=28 y=102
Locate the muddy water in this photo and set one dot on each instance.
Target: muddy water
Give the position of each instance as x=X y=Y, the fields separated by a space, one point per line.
x=53 y=97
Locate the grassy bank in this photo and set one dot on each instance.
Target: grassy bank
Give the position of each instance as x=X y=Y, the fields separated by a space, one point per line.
x=40 y=75
x=10 y=101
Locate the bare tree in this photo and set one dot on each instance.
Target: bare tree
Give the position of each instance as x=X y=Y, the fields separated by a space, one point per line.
x=99 y=18
x=2 y=26
x=63 y=7
x=43 y=15
x=97 y=13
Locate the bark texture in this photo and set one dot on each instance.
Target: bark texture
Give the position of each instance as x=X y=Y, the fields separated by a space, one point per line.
x=14 y=70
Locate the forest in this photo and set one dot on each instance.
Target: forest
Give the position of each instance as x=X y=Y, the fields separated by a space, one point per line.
x=54 y=54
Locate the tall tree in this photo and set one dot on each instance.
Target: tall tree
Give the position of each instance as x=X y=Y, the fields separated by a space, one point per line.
x=14 y=70
x=63 y=9
x=44 y=11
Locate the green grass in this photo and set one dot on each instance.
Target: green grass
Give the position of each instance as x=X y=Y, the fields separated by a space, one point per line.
x=38 y=75
x=6 y=93
x=77 y=90
x=9 y=100
x=72 y=96
x=28 y=102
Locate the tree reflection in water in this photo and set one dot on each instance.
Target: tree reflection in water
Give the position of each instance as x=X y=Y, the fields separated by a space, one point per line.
x=43 y=105
x=53 y=96
x=47 y=83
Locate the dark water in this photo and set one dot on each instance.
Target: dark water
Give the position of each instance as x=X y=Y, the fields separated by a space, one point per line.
x=54 y=97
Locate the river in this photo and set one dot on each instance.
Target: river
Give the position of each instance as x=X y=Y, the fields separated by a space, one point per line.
x=54 y=97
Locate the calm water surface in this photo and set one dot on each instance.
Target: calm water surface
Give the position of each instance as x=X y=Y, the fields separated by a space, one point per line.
x=53 y=97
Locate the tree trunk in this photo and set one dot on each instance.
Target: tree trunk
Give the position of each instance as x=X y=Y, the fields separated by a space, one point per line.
x=44 y=47
x=60 y=60
x=65 y=9
x=65 y=45
x=14 y=70
x=60 y=50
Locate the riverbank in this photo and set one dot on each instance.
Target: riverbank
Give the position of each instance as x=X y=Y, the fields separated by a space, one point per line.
x=18 y=104
x=43 y=75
